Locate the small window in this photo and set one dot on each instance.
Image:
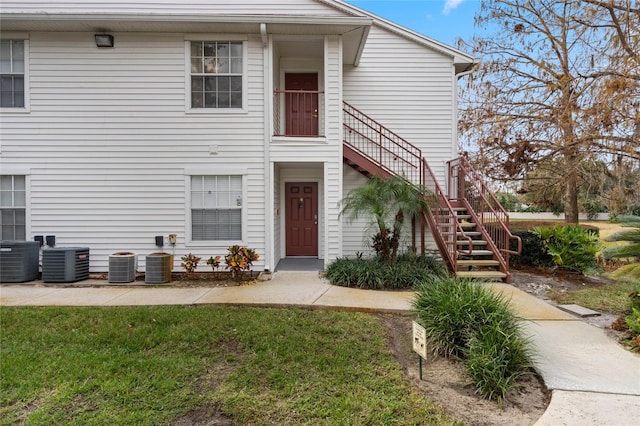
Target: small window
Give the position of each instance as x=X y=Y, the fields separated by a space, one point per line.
x=12 y=69
x=216 y=74
x=13 y=201
x=216 y=208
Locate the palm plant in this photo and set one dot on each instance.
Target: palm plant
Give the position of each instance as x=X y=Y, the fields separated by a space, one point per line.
x=388 y=202
x=629 y=250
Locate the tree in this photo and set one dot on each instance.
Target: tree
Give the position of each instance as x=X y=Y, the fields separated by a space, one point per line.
x=541 y=94
x=388 y=202
x=603 y=187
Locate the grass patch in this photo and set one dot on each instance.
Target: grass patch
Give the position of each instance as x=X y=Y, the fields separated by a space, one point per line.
x=465 y=320
x=612 y=298
x=372 y=273
x=154 y=365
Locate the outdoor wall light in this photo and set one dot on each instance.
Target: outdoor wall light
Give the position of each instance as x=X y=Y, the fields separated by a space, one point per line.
x=104 y=40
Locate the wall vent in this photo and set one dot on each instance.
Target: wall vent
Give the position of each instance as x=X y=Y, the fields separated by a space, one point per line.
x=122 y=267
x=65 y=264
x=19 y=261
x=158 y=268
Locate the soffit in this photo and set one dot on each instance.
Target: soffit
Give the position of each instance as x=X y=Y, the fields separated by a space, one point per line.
x=353 y=29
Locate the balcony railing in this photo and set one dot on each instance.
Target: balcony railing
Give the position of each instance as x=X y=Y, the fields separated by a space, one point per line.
x=296 y=113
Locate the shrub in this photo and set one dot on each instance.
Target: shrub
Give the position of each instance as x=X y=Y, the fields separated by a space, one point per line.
x=190 y=262
x=214 y=262
x=467 y=321
x=509 y=201
x=634 y=210
x=240 y=259
x=533 y=251
x=373 y=273
x=592 y=207
x=571 y=247
x=633 y=319
x=496 y=359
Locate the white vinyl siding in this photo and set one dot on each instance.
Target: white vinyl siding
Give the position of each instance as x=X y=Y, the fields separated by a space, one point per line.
x=13 y=202
x=411 y=90
x=108 y=147
x=356 y=233
x=216 y=208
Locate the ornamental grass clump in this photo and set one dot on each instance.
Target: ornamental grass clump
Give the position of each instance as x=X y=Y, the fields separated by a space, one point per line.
x=467 y=321
x=376 y=274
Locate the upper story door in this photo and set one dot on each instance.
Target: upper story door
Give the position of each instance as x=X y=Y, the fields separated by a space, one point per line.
x=301 y=108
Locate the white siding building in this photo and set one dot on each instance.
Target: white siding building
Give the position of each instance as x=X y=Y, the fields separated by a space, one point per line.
x=218 y=121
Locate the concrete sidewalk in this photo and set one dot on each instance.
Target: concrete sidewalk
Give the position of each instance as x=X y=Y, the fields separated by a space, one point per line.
x=593 y=380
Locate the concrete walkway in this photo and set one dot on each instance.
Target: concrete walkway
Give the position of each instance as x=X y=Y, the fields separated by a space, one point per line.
x=593 y=380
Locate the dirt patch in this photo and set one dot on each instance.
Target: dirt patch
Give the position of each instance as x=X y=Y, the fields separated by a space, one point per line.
x=184 y=279
x=208 y=382
x=446 y=383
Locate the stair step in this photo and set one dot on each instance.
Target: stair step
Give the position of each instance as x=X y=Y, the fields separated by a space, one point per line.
x=463 y=224
x=478 y=262
x=473 y=242
x=482 y=274
x=463 y=216
x=455 y=209
x=480 y=253
x=467 y=233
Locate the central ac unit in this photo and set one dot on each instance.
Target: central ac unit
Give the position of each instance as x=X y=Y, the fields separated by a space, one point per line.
x=19 y=261
x=122 y=267
x=158 y=268
x=65 y=264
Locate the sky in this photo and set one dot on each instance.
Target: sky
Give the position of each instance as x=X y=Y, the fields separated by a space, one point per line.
x=442 y=20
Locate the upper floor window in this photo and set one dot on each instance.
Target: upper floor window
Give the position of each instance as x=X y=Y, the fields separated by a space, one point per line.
x=12 y=71
x=13 y=199
x=216 y=74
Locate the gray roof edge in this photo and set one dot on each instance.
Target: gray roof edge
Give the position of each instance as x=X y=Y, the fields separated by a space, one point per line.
x=245 y=18
x=459 y=57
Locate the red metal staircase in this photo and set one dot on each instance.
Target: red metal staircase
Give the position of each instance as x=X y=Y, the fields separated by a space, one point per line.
x=469 y=226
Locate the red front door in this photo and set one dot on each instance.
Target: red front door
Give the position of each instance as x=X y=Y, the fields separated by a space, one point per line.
x=301 y=219
x=301 y=108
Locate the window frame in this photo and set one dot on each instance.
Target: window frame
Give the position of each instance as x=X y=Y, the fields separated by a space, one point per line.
x=27 y=197
x=190 y=242
x=234 y=38
x=25 y=73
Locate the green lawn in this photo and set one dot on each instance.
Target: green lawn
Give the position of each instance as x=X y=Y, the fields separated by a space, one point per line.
x=611 y=298
x=158 y=365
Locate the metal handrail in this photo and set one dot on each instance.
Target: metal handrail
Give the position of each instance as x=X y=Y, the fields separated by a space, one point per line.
x=443 y=212
x=488 y=195
x=468 y=186
x=374 y=141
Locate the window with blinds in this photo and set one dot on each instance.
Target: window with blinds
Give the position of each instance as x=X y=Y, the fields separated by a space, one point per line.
x=216 y=208
x=13 y=201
